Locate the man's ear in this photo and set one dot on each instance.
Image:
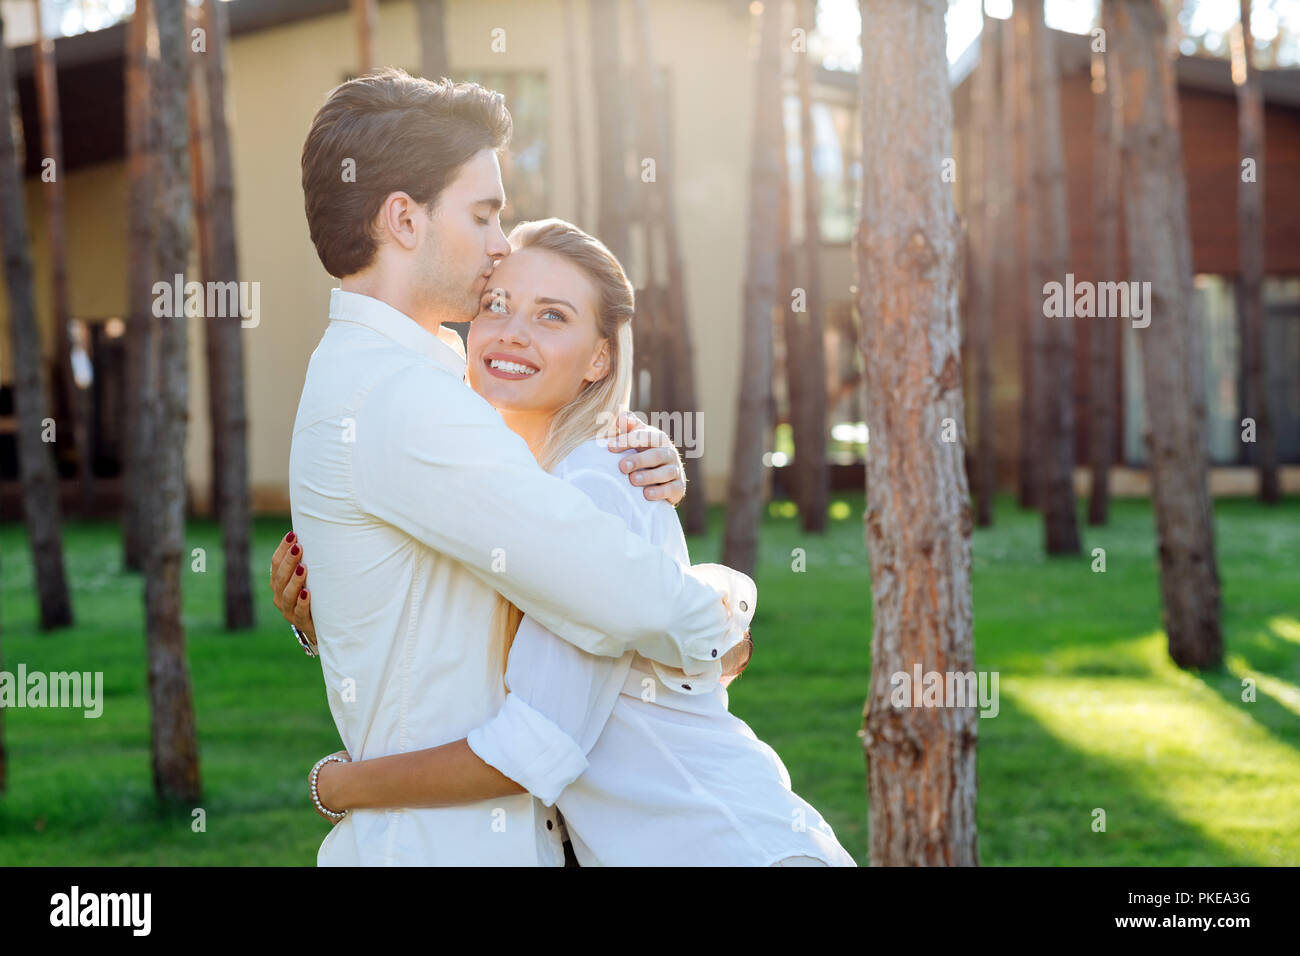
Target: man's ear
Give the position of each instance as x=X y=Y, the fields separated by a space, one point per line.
x=399 y=220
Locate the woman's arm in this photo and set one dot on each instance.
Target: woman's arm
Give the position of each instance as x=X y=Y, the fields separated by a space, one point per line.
x=435 y=777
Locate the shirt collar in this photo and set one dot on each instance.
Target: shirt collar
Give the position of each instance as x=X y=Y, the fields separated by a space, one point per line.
x=445 y=348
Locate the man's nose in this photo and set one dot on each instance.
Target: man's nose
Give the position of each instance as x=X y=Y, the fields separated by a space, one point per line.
x=498 y=246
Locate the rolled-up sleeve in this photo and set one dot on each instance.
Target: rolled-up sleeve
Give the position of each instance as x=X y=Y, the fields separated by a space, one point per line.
x=529 y=749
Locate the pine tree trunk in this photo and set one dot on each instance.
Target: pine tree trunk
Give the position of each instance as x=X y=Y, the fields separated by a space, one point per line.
x=675 y=341
x=1160 y=251
x=76 y=398
x=753 y=412
x=1019 y=109
x=365 y=19
x=1054 y=366
x=1250 y=232
x=40 y=489
x=1102 y=335
x=575 y=104
x=174 y=743
x=431 y=18
x=921 y=760
x=225 y=346
x=140 y=372
x=982 y=271
x=612 y=215
x=808 y=407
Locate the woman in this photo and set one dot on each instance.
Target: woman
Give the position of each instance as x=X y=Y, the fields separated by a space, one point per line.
x=659 y=772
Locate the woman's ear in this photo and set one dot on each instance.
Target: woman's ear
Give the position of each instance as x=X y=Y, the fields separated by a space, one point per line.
x=599 y=366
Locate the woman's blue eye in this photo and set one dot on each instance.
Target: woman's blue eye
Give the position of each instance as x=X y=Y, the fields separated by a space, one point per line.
x=498 y=305
x=555 y=312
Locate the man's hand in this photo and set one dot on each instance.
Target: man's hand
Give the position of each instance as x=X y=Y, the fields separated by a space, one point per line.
x=655 y=467
x=289 y=586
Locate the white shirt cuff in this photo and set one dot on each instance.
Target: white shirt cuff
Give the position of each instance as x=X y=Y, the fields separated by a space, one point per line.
x=742 y=598
x=529 y=749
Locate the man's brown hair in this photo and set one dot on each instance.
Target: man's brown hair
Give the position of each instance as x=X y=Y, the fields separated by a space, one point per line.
x=401 y=133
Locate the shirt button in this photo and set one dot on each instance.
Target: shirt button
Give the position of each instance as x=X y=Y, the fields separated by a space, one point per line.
x=744 y=606
x=715 y=652
x=686 y=687
x=550 y=825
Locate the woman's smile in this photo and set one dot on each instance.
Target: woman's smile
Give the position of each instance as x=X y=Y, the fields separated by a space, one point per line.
x=510 y=367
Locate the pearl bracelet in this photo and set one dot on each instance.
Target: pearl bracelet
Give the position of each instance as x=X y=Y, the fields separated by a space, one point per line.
x=315 y=795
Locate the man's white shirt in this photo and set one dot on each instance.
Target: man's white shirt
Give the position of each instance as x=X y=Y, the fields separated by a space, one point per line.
x=417 y=504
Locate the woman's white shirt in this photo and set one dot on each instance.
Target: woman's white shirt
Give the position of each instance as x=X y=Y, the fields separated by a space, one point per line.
x=649 y=767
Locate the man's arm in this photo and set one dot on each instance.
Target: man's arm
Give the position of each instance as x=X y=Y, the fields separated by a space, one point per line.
x=438 y=463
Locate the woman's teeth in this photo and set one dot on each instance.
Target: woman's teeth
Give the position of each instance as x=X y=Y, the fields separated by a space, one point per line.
x=512 y=367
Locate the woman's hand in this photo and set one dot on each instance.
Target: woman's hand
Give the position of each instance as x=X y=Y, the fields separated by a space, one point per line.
x=655 y=468
x=289 y=586
x=326 y=781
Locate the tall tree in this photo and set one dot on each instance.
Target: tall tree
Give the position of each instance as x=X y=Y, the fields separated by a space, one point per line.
x=140 y=367
x=753 y=413
x=575 y=113
x=1054 y=356
x=676 y=342
x=920 y=760
x=981 y=273
x=431 y=17
x=76 y=398
x=40 y=488
x=1102 y=341
x=1160 y=251
x=1250 y=253
x=805 y=332
x=173 y=737
x=613 y=202
x=1020 y=109
x=365 y=20
x=224 y=343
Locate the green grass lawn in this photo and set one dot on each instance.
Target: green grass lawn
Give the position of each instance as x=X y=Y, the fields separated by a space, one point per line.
x=1092 y=713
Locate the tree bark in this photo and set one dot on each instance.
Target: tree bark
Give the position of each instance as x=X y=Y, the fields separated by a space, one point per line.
x=1250 y=246
x=613 y=214
x=365 y=19
x=753 y=412
x=431 y=17
x=982 y=271
x=75 y=398
x=174 y=743
x=808 y=400
x=1160 y=251
x=675 y=342
x=1102 y=335
x=140 y=372
x=1020 y=106
x=1055 y=351
x=224 y=341
x=40 y=489
x=575 y=114
x=920 y=760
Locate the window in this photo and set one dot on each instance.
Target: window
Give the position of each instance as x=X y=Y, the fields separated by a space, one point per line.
x=1214 y=307
x=835 y=164
x=523 y=167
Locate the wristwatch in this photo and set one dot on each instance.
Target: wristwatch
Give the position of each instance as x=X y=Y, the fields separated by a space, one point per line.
x=303 y=642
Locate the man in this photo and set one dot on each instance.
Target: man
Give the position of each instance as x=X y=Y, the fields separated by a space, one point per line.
x=415 y=500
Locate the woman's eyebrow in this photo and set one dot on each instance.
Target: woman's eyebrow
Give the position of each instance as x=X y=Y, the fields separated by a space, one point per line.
x=543 y=301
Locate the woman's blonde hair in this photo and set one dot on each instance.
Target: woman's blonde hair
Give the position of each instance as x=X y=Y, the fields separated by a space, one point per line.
x=594 y=411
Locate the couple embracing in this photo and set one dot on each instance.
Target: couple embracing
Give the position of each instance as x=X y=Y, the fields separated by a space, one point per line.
x=523 y=665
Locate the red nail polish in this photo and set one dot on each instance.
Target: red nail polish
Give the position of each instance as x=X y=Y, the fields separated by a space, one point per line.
x=290 y=536
x=294 y=550
x=302 y=595
x=299 y=570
